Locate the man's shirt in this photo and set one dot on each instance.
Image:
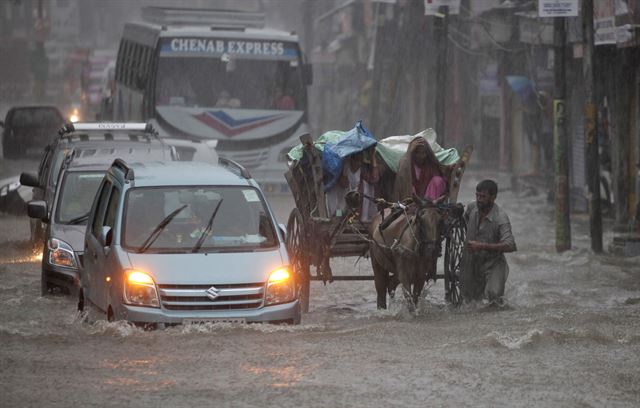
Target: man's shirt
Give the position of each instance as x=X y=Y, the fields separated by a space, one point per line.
x=493 y=229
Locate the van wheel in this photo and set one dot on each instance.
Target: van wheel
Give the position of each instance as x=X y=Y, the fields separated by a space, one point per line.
x=110 y=316
x=80 y=301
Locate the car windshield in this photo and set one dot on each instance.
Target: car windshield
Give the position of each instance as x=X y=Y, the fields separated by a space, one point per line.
x=40 y=117
x=76 y=196
x=242 y=222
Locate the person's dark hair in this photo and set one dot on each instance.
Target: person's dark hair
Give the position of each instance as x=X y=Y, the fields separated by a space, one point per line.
x=488 y=186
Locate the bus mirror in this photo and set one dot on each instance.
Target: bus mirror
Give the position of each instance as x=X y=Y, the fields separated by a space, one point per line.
x=307 y=74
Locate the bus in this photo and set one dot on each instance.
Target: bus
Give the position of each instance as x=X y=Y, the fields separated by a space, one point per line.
x=212 y=74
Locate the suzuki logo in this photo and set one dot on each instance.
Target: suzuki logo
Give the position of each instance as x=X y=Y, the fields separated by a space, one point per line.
x=212 y=293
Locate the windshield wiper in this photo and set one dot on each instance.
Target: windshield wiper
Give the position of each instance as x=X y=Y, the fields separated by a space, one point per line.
x=79 y=219
x=158 y=229
x=207 y=229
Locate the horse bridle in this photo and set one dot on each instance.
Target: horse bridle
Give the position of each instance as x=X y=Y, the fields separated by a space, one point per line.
x=425 y=246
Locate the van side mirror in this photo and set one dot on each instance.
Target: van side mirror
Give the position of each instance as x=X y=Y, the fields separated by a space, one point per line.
x=106 y=236
x=37 y=209
x=29 y=179
x=307 y=74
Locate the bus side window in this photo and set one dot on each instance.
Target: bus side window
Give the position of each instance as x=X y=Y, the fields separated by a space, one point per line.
x=120 y=62
x=141 y=74
x=125 y=62
x=129 y=65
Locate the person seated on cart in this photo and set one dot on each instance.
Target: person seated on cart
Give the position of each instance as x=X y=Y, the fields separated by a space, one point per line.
x=359 y=173
x=420 y=173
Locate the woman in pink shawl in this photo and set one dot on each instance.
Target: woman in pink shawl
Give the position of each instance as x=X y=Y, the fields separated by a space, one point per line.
x=420 y=173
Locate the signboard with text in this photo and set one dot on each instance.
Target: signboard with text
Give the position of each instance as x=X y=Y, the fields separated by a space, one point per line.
x=558 y=8
x=217 y=47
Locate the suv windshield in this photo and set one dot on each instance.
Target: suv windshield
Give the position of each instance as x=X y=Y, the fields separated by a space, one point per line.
x=76 y=196
x=242 y=221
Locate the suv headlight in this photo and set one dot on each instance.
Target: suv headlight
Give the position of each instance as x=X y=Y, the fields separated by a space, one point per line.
x=140 y=289
x=60 y=253
x=280 y=287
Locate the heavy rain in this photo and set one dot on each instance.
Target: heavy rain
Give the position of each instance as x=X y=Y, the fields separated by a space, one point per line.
x=349 y=143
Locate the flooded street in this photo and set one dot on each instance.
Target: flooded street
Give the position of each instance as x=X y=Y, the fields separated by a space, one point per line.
x=569 y=337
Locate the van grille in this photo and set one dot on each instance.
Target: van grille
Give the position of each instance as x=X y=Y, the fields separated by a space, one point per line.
x=194 y=297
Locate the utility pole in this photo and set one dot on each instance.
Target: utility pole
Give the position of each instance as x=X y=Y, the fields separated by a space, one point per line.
x=560 y=145
x=590 y=128
x=441 y=74
x=39 y=63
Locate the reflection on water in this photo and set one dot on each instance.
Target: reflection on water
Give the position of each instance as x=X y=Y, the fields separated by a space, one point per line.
x=21 y=259
x=138 y=374
x=281 y=376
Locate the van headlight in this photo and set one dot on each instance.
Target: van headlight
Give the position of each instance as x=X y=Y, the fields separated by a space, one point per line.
x=60 y=253
x=140 y=289
x=280 y=287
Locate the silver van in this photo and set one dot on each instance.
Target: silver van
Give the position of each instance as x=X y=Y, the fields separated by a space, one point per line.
x=185 y=242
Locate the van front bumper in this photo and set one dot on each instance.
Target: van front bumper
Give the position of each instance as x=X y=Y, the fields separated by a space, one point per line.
x=287 y=312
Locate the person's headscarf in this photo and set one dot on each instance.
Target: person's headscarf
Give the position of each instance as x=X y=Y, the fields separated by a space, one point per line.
x=406 y=177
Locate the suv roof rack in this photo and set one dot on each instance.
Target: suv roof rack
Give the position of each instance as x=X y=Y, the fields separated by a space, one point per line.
x=235 y=167
x=124 y=167
x=107 y=126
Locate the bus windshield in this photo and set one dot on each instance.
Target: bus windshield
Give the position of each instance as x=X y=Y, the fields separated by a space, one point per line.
x=230 y=83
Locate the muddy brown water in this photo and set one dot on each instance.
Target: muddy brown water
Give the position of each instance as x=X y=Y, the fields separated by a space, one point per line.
x=569 y=337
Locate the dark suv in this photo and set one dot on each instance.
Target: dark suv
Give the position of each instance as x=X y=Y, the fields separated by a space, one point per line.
x=29 y=128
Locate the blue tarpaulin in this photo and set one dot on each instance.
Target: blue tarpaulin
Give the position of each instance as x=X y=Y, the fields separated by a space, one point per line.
x=353 y=141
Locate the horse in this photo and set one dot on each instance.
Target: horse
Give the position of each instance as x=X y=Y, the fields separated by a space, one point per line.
x=405 y=251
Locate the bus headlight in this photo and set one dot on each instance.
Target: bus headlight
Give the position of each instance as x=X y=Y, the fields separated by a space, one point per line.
x=280 y=287
x=60 y=253
x=140 y=289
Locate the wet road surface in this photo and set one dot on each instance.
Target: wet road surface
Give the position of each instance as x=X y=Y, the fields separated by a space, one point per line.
x=570 y=337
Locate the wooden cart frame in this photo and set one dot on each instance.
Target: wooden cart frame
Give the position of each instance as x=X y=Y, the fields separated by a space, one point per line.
x=313 y=237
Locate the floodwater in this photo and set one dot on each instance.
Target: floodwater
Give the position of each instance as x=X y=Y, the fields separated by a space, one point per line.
x=570 y=337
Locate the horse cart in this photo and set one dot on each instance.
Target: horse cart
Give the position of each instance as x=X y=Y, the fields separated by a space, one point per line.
x=314 y=236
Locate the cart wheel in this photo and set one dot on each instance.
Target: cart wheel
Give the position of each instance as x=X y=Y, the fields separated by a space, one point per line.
x=452 y=259
x=297 y=247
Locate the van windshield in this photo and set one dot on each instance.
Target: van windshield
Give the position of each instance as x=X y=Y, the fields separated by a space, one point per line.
x=242 y=221
x=76 y=196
